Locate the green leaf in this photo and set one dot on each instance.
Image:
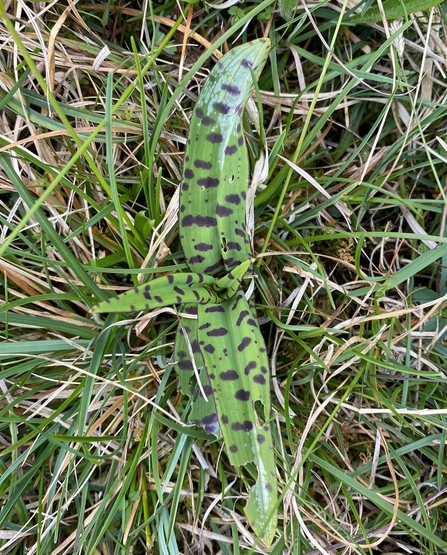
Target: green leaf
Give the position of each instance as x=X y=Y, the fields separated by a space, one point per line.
x=235 y=356
x=143 y=225
x=393 y=9
x=287 y=7
x=215 y=173
x=163 y=291
x=415 y=267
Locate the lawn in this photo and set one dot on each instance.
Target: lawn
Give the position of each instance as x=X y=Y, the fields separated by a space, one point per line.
x=346 y=147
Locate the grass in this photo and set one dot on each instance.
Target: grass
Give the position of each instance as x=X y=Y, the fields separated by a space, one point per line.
x=95 y=456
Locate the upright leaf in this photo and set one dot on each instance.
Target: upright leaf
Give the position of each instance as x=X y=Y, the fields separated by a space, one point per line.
x=215 y=173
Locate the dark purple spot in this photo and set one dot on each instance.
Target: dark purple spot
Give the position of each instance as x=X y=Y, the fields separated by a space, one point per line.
x=147 y=295
x=233 y=199
x=222 y=211
x=181 y=354
x=195 y=259
x=233 y=246
x=242 y=315
x=200 y=221
x=208 y=390
x=214 y=138
x=251 y=322
x=230 y=262
x=178 y=290
x=189 y=279
x=208 y=182
x=238 y=128
x=185 y=186
x=208 y=121
x=233 y=448
x=205 y=326
x=189 y=174
x=211 y=269
x=170 y=278
x=232 y=89
x=243 y=195
x=261 y=438
x=239 y=232
x=250 y=366
x=182 y=208
x=158 y=298
x=218 y=332
x=221 y=107
x=238 y=109
x=199 y=113
x=210 y=419
x=211 y=376
x=210 y=427
x=229 y=150
x=264 y=369
x=185 y=364
x=268 y=486
x=209 y=349
x=203 y=164
x=229 y=375
x=179 y=300
x=224 y=419
x=259 y=378
x=240 y=141
x=203 y=247
x=242 y=395
x=246 y=63
x=244 y=344
x=245 y=426
x=216 y=308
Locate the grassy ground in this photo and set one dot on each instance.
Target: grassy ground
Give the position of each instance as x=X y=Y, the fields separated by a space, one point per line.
x=95 y=101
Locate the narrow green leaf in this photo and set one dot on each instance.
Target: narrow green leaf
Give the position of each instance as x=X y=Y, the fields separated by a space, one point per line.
x=418 y=265
x=393 y=9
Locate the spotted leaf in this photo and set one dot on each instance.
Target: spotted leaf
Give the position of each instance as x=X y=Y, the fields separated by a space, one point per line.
x=215 y=174
x=235 y=356
x=163 y=291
